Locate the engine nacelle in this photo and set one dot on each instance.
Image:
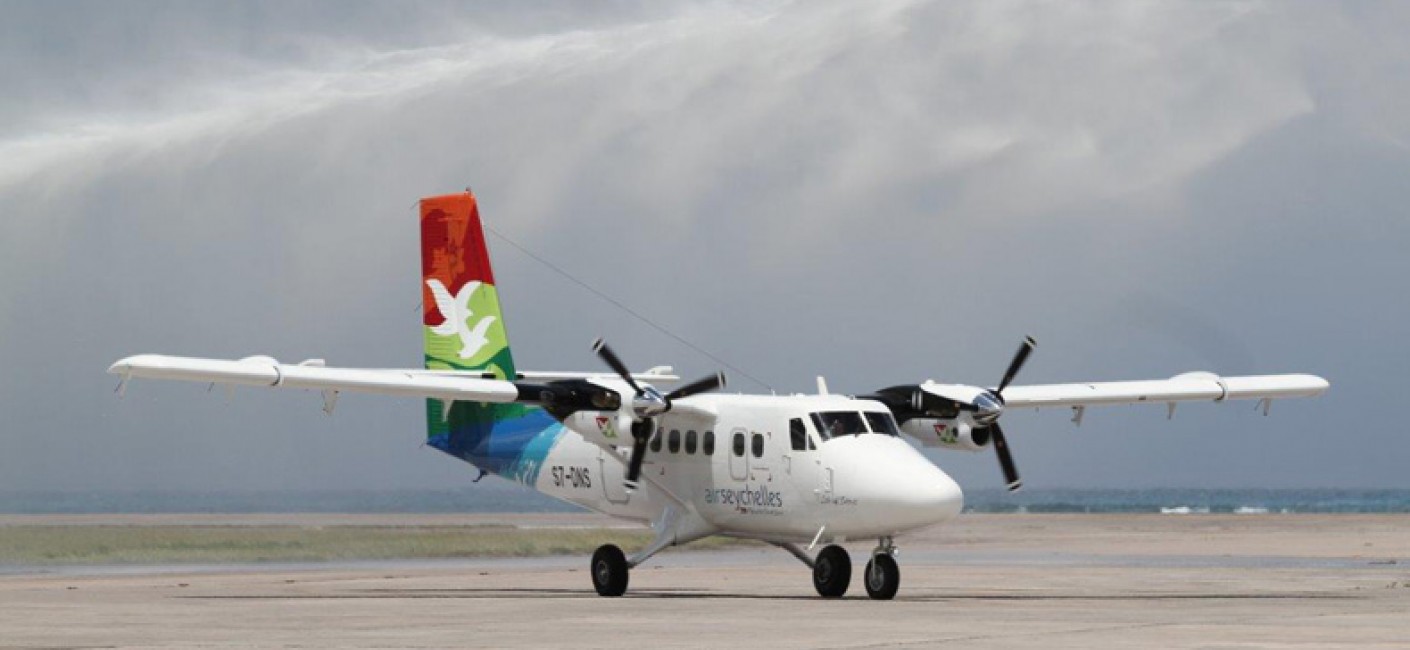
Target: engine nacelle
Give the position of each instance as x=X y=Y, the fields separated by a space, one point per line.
x=602 y=427
x=950 y=434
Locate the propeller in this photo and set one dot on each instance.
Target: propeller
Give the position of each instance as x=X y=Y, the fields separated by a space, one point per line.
x=917 y=401
x=990 y=405
x=649 y=403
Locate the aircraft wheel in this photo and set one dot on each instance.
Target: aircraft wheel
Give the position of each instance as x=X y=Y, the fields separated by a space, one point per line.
x=883 y=577
x=609 y=571
x=832 y=571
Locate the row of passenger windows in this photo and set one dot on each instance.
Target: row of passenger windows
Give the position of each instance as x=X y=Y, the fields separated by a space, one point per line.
x=706 y=442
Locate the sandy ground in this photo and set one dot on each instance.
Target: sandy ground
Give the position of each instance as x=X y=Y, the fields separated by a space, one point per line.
x=1000 y=581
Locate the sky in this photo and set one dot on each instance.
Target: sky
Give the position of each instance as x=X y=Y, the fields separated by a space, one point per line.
x=875 y=192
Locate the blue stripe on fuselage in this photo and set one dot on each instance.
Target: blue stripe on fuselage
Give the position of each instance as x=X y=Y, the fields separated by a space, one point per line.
x=511 y=447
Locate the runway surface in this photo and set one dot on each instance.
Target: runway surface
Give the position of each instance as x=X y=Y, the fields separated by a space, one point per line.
x=989 y=581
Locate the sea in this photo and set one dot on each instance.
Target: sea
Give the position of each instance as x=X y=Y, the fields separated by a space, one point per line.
x=505 y=498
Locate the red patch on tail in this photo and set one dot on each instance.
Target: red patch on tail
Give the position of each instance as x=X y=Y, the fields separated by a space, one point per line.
x=453 y=247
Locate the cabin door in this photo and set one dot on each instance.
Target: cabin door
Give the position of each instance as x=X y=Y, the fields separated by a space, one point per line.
x=612 y=475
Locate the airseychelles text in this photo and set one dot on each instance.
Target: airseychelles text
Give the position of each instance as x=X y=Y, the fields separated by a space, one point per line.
x=746 y=497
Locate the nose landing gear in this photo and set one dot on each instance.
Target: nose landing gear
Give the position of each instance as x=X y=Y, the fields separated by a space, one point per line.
x=883 y=575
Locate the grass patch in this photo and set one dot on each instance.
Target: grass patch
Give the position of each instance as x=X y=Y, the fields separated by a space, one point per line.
x=58 y=545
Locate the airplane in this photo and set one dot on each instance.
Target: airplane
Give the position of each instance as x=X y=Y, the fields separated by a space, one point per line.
x=795 y=471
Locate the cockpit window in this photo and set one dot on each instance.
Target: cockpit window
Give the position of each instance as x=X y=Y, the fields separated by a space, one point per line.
x=882 y=423
x=797 y=435
x=832 y=424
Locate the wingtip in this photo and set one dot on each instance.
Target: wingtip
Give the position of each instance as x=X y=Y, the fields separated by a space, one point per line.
x=1314 y=383
x=126 y=364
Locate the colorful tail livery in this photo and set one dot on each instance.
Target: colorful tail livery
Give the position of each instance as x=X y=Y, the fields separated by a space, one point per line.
x=464 y=330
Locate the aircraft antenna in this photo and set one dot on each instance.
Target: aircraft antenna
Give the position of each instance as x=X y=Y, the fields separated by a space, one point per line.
x=618 y=304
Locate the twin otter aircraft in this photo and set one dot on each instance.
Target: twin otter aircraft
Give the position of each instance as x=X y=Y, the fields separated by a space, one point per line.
x=795 y=471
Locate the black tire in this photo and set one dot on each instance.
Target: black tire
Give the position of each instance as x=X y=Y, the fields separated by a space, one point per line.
x=609 y=571
x=883 y=577
x=832 y=572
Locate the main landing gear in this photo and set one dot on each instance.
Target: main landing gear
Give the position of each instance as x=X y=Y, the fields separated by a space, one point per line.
x=832 y=572
x=610 y=567
x=609 y=571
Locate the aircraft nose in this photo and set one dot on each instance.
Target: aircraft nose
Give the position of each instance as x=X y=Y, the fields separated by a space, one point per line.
x=943 y=496
x=921 y=493
x=900 y=488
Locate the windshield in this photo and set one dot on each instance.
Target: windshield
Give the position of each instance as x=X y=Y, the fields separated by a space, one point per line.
x=882 y=423
x=832 y=424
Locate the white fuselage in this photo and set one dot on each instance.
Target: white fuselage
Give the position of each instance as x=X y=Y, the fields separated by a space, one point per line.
x=763 y=480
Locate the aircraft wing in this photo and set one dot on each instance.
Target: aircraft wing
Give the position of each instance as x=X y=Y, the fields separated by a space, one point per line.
x=1193 y=386
x=268 y=372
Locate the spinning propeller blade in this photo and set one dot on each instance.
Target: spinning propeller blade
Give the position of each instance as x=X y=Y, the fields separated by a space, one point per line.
x=1001 y=447
x=1019 y=358
x=606 y=354
x=641 y=433
x=702 y=385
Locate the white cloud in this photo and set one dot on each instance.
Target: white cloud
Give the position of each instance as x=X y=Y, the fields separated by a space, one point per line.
x=1037 y=104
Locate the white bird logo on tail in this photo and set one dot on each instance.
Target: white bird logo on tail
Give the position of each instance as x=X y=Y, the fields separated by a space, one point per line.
x=457 y=313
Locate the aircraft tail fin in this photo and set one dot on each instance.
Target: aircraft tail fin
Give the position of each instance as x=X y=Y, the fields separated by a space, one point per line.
x=464 y=330
x=463 y=321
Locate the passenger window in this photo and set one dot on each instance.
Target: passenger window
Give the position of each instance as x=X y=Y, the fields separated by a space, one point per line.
x=674 y=442
x=690 y=442
x=758 y=445
x=707 y=445
x=882 y=423
x=656 y=441
x=739 y=444
x=797 y=434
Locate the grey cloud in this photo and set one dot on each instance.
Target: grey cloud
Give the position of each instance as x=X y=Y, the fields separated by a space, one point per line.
x=880 y=193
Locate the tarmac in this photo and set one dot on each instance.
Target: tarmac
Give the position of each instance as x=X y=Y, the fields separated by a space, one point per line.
x=987 y=581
